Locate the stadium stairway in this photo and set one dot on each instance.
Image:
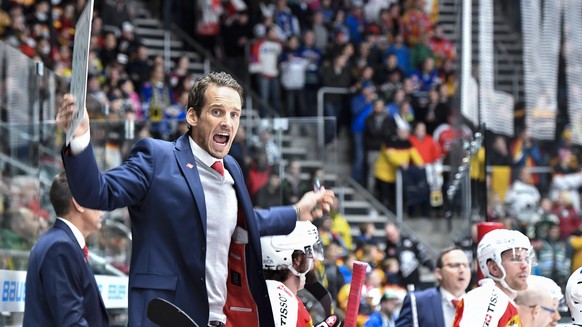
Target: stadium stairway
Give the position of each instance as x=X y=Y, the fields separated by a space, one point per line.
x=151 y=32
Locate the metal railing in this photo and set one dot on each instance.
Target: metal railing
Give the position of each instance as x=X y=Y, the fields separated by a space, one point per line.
x=464 y=181
x=321 y=113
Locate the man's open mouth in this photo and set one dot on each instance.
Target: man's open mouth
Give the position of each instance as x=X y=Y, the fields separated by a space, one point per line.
x=221 y=138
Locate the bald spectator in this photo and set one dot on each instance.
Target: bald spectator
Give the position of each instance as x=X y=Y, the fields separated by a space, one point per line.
x=538 y=304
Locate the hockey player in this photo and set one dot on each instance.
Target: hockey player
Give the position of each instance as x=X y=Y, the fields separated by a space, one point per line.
x=505 y=256
x=286 y=261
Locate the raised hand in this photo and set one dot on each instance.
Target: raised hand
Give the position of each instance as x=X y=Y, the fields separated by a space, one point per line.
x=65 y=116
x=315 y=204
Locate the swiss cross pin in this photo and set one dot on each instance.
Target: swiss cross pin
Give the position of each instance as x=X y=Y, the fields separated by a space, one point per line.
x=189 y=165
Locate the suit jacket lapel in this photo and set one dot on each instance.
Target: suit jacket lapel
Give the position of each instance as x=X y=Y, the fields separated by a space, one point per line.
x=187 y=164
x=63 y=226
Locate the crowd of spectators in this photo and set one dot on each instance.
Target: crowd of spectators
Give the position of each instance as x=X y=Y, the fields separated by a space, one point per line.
x=391 y=55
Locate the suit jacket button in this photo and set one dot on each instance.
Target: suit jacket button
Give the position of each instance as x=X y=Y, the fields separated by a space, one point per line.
x=203 y=249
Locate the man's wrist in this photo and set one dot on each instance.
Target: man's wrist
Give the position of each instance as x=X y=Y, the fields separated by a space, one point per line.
x=80 y=143
x=297 y=212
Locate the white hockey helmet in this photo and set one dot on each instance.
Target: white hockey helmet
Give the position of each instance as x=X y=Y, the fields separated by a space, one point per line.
x=278 y=250
x=496 y=242
x=574 y=296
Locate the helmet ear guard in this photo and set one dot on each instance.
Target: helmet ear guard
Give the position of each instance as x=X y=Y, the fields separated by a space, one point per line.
x=494 y=243
x=574 y=296
x=278 y=250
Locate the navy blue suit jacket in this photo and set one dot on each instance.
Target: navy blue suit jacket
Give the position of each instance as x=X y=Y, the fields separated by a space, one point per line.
x=428 y=306
x=160 y=185
x=60 y=287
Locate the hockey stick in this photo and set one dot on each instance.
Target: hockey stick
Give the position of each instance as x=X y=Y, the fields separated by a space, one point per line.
x=358 y=275
x=166 y=314
x=410 y=288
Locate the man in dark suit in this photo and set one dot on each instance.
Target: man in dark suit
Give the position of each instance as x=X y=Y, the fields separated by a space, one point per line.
x=437 y=306
x=60 y=287
x=195 y=232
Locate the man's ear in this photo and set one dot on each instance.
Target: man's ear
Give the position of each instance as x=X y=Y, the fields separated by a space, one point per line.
x=77 y=206
x=438 y=274
x=298 y=261
x=535 y=312
x=191 y=117
x=494 y=268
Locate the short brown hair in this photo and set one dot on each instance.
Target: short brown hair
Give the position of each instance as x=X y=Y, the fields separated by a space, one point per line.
x=196 y=97
x=60 y=195
x=439 y=262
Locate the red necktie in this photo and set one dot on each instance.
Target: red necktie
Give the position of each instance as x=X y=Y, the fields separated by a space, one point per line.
x=218 y=167
x=455 y=302
x=86 y=252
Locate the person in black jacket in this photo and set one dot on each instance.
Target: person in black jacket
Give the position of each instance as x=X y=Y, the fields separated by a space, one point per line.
x=336 y=74
x=410 y=255
x=379 y=127
x=498 y=154
x=237 y=32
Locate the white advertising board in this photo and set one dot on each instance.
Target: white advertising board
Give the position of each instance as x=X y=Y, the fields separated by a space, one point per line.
x=80 y=66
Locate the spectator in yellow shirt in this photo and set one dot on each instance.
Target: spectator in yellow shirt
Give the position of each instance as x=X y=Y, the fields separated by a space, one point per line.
x=397 y=154
x=340 y=225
